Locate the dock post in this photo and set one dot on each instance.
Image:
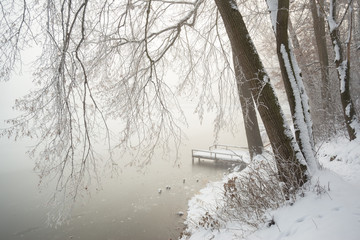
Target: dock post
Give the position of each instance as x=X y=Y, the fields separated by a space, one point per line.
x=192 y=155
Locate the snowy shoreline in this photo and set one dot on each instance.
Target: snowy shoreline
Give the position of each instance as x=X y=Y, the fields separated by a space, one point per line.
x=329 y=208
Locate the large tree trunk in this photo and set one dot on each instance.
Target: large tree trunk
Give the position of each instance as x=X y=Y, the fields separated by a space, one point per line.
x=343 y=70
x=312 y=86
x=252 y=130
x=295 y=90
x=290 y=161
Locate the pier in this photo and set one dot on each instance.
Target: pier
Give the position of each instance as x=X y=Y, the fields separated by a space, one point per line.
x=218 y=152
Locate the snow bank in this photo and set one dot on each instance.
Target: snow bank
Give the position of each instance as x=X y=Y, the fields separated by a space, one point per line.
x=330 y=208
x=209 y=203
x=342 y=157
x=332 y=215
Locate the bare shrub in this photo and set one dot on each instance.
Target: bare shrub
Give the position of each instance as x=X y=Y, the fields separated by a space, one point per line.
x=250 y=195
x=208 y=221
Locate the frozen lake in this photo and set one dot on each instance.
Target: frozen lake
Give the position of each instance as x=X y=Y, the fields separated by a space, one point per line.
x=128 y=207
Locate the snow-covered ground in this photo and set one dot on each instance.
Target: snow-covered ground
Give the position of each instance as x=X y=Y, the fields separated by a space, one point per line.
x=329 y=209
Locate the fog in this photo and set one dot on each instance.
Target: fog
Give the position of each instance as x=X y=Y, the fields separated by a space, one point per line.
x=126 y=207
x=13 y=155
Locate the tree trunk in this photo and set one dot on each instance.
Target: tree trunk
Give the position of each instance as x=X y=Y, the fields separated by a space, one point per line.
x=357 y=26
x=252 y=130
x=301 y=57
x=320 y=39
x=343 y=70
x=295 y=90
x=290 y=161
x=312 y=86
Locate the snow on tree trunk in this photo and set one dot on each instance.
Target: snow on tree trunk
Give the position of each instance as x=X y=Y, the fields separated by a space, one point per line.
x=343 y=71
x=299 y=110
x=289 y=159
x=291 y=74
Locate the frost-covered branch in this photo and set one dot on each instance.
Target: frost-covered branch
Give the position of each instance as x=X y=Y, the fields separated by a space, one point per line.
x=103 y=61
x=15 y=22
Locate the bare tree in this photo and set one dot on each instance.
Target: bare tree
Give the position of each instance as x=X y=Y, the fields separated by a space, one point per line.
x=288 y=155
x=321 y=46
x=106 y=60
x=342 y=62
x=308 y=39
x=291 y=74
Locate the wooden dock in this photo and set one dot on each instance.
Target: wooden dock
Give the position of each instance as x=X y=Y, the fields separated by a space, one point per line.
x=225 y=153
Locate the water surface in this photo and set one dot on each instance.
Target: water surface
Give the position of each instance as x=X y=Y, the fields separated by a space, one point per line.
x=128 y=207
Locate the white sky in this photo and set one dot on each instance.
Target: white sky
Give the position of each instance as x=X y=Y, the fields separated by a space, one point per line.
x=12 y=154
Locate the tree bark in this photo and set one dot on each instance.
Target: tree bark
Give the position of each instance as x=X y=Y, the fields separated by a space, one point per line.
x=343 y=70
x=320 y=39
x=300 y=56
x=252 y=130
x=295 y=90
x=289 y=159
x=312 y=86
x=357 y=27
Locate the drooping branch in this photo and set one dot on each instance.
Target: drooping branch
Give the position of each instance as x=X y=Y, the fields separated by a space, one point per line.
x=15 y=22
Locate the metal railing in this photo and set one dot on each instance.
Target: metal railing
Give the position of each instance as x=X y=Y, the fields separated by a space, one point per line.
x=226 y=147
x=215 y=155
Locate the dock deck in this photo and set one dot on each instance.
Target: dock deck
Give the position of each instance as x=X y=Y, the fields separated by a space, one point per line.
x=225 y=153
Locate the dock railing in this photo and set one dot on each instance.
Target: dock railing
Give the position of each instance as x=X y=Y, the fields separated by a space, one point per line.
x=227 y=147
x=211 y=155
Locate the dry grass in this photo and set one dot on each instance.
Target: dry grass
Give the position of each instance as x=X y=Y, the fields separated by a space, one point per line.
x=252 y=194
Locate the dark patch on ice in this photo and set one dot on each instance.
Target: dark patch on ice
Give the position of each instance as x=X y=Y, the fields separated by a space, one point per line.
x=336 y=209
x=300 y=220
